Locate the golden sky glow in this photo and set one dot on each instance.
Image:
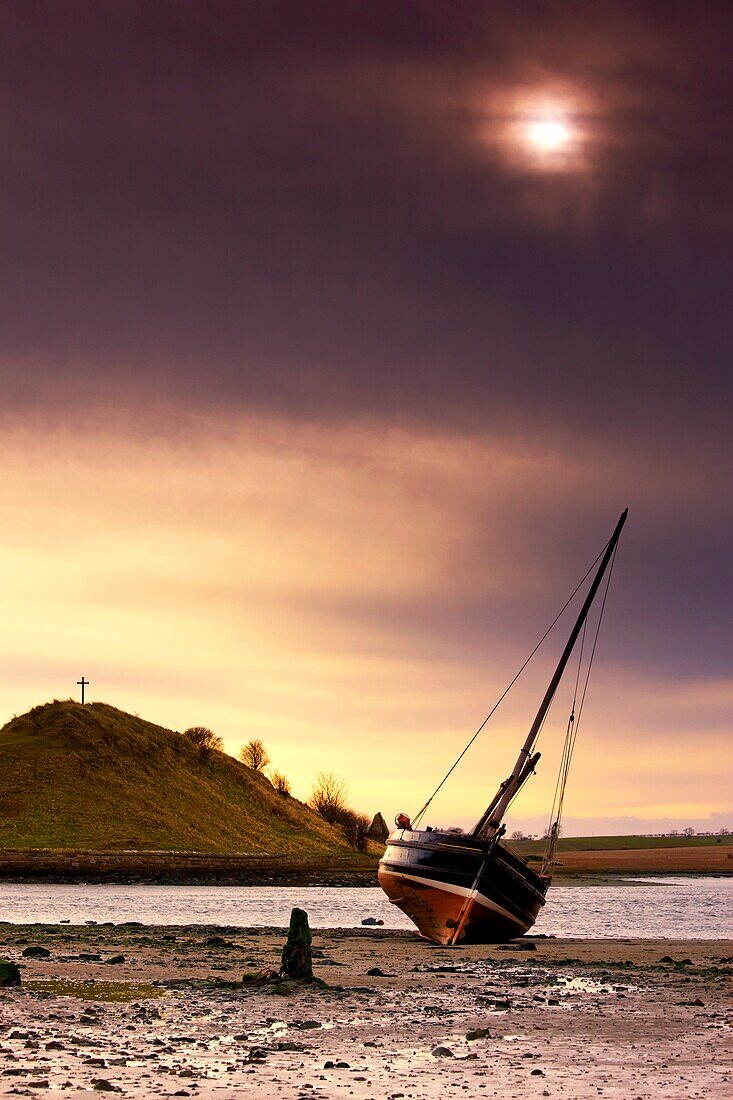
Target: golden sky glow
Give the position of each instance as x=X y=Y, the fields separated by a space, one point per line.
x=272 y=580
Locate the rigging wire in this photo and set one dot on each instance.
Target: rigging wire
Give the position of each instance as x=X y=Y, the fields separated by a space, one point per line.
x=510 y=685
x=571 y=737
x=571 y=722
x=539 y=734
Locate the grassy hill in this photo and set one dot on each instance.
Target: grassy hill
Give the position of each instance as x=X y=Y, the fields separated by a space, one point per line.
x=95 y=777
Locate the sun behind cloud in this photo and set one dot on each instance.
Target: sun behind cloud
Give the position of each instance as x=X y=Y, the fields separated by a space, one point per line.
x=540 y=129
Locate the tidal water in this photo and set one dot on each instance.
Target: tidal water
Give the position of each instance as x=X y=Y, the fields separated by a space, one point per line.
x=675 y=908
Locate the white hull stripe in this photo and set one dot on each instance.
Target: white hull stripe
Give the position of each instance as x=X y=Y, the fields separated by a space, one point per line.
x=450 y=888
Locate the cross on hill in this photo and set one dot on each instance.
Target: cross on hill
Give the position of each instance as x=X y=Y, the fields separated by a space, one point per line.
x=82 y=684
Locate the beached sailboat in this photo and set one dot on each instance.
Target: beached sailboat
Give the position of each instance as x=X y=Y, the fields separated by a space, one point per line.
x=468 y=887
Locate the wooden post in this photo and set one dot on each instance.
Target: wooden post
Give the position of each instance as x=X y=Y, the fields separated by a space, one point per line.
x=297 y=961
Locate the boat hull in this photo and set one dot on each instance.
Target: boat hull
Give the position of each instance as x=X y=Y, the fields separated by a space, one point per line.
x=457 y=890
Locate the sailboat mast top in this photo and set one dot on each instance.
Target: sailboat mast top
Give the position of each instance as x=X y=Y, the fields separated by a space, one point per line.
x=549 y=694
x=493 y=815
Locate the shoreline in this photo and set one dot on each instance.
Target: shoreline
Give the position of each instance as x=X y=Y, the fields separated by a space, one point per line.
x=76 y=866
x=163 y=868
x=395 y=1015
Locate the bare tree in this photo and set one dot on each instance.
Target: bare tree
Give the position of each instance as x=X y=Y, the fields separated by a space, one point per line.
x=689 y=831
x=281 y=783
x=204 y=738
x=255 y=756
x=328 y=797
x=518 y=835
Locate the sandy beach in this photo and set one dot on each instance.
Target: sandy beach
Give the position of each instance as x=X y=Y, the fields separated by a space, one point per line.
x=155 y=1011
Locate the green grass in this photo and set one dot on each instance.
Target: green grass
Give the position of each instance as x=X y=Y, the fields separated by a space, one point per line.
x=95 y=777
x=120 y=992
x=612 y=843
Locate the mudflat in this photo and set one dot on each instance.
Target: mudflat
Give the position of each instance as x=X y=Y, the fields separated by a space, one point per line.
x=156 y=1011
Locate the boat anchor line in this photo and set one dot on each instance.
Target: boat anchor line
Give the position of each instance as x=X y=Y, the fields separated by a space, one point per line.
x=470 y=901
x=450 y=855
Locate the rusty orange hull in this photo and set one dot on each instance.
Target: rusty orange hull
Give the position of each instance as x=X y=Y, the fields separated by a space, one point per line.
x=456 y=892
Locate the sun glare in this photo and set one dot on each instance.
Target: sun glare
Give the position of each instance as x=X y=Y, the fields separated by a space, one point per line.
x=542 y=130
x=549 y=135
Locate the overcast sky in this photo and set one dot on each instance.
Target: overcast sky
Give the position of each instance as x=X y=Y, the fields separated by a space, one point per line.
x=334 y=337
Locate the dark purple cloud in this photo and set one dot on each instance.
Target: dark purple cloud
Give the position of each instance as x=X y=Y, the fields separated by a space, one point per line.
x=291 y=204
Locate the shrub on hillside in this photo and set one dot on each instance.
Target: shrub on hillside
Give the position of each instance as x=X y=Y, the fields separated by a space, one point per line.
x=356 y=829
x=281 y=784
x=204 y=738
x=255 y=756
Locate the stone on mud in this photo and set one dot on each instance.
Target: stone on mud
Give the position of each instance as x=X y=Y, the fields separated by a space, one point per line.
x=478 y=1033
x=9 y=973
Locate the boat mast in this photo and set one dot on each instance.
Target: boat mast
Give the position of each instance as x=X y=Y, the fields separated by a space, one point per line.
x=491 y=819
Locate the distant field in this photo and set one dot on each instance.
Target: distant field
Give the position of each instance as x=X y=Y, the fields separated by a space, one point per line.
x=616 y=843
x=694 y=859
x=636 y=855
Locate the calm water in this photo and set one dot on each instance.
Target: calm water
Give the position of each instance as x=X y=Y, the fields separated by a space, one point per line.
x=677 y=908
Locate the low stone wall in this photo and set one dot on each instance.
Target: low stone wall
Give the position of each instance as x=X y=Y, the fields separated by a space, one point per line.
x=74 y=865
